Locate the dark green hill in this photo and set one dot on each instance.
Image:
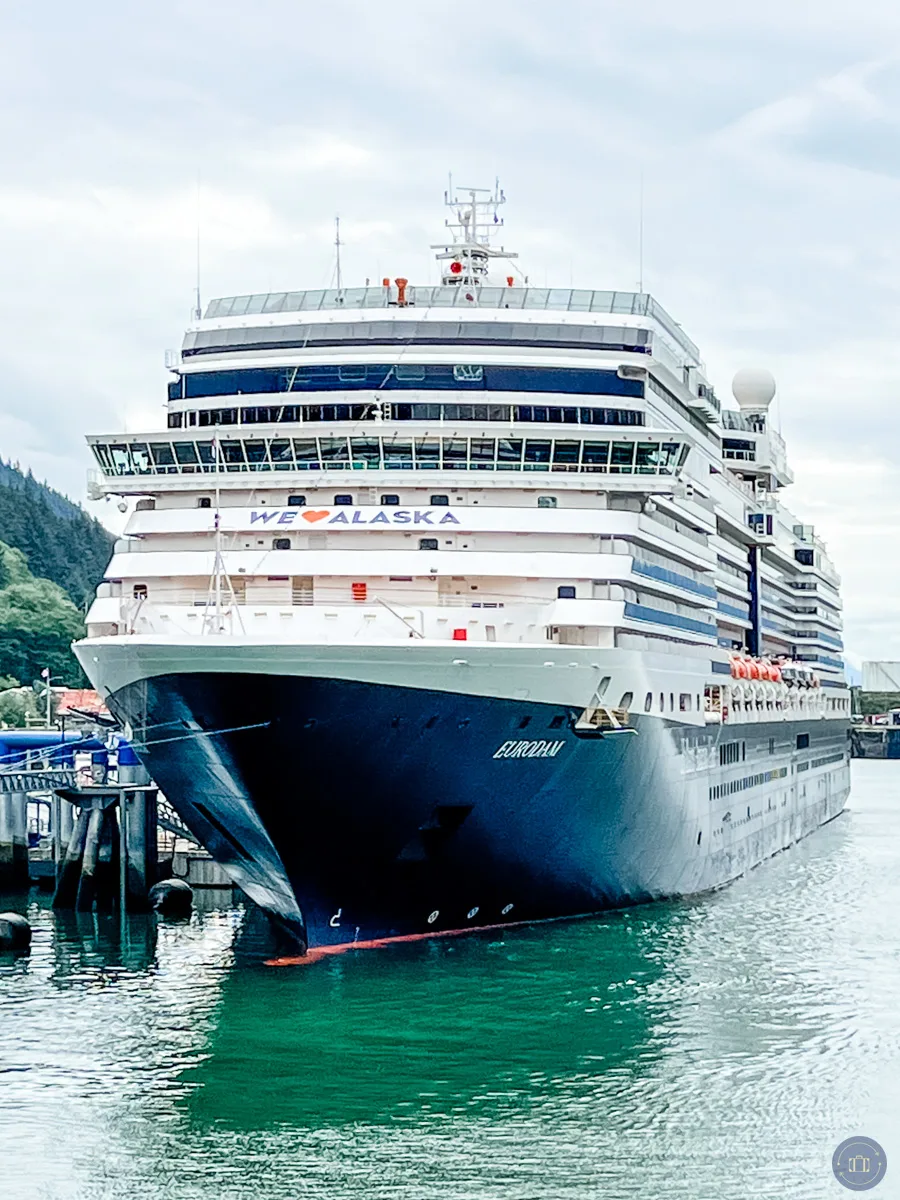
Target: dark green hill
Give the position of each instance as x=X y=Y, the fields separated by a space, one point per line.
x=38 y=623
x=59 y=540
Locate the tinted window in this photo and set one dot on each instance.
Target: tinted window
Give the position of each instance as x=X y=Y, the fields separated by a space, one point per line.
x=296 y=501
x=440 y=501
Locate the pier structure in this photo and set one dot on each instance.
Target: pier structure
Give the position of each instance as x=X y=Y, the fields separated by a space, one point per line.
x=33 y=764
x=111 y=858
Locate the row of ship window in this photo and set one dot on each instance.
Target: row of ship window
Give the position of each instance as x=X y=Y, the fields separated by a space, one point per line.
x=388 y=500
x=293 y=414
x=346 y=377
x=383 y=453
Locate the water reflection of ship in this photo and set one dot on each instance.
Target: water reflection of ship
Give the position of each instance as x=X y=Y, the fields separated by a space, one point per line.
x=484 y=1022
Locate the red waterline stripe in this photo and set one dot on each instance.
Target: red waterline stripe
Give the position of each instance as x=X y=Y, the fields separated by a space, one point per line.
x=318 y=952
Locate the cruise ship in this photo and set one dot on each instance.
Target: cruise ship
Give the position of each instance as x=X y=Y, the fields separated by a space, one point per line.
x=454 y=606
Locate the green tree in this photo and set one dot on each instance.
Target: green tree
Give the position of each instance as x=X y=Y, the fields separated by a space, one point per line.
x=59 y=540
x=38 y=623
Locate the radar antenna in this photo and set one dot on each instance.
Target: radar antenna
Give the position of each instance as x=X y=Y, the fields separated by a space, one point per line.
x=466 y=258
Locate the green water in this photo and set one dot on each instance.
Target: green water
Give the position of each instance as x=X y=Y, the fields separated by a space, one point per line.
x=707 y=1050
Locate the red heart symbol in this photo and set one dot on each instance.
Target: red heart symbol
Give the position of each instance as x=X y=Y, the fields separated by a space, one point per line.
x=314 y=515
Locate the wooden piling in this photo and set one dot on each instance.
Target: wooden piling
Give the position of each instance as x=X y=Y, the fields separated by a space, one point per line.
x=70 y=870
x=87 y=884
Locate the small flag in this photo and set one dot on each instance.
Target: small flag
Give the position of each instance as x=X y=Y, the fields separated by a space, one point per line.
x=45 y=674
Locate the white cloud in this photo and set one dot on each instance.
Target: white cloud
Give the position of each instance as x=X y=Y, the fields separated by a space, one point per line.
x=766 y=135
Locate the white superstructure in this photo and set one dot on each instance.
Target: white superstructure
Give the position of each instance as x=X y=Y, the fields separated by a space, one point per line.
x=496 y=462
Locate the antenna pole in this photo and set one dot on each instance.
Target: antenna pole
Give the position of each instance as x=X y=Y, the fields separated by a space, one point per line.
x=198 y=308
x=337 y=251
x=219 y=562
x=641 y=237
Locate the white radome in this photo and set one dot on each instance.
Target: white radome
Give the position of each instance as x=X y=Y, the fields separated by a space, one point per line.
x=753 y=388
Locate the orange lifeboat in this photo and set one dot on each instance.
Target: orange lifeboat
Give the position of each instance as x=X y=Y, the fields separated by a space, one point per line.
x=753 y=669
x=739 y=668
x=775 y=673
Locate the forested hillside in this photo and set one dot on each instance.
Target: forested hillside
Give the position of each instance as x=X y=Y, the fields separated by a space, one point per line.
x=38 y=623
x=59 y=540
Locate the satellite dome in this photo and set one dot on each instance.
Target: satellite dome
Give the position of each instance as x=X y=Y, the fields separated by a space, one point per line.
x=753 y=388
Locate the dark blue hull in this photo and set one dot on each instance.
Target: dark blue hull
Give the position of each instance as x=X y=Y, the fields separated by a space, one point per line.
x=356 y=812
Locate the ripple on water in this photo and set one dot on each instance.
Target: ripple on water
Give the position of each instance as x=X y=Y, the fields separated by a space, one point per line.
x=713 y=1048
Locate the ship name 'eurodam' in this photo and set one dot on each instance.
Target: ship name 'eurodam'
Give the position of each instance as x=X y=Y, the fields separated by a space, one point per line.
x=449 y=606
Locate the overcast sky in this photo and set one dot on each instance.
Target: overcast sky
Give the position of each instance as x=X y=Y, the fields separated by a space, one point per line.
x=768 y=136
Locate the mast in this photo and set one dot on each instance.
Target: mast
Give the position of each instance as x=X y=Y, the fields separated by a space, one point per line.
x=221 y=602
x=468 y=254
x=337 y=252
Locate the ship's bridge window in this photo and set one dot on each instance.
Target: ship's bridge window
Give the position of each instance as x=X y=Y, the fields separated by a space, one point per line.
x=565 y=455
x=390 y=498
x=343 y=498
x=398 y=456
x=306 y=454
x=387 y=452
x=439 y=501
x=365 y=453
x=428 y=454
x=537 y=455
x=296 y=501
x=280 y=454
x=546 y=502
x=509 y=454
x=185 y=454
x=163 y=455
x=175 y=420
x=456 y=453
x=482 y=454
x=622 y=458
x=595 y=456
x=233 y=455
x=334 y=453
